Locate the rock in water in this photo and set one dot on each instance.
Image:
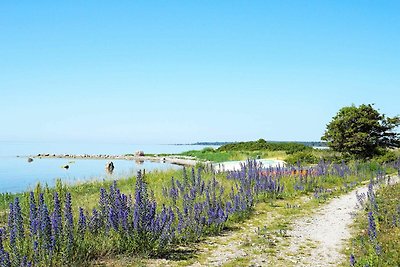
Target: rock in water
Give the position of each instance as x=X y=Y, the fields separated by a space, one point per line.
x=30 y=159
x=110 y=167
x=139 y=153
x=65 y=167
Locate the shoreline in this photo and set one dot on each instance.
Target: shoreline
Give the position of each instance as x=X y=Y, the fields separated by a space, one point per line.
x=177 y=160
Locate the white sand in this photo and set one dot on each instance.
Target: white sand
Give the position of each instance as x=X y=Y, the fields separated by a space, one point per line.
x=235 y=165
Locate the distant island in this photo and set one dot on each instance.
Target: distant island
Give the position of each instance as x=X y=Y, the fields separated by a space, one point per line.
x=306 y=143
x=204 y=144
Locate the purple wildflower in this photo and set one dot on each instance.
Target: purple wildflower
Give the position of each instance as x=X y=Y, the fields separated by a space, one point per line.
x=11 y=226
x=69 y=223
x=81 y=222
x=45 y=227
x=56 y=217
x=352 y=260
x=371 y=226
x=32 y=214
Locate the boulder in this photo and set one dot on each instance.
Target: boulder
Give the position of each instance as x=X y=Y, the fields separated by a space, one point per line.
x=139 y=153
x=110 y=167
x=30 y=159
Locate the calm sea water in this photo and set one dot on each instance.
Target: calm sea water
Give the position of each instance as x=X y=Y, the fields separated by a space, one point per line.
x=17 y=174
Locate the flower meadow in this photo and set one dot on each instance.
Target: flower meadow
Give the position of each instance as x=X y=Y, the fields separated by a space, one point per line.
x=378 y=241
x=43 y=229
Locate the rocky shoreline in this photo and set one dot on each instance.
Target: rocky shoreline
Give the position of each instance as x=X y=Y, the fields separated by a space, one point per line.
x=177 y=160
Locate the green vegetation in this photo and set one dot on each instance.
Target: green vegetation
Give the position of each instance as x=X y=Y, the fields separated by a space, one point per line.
x=302 y=158
x=377 y=240
x=220 y=156
x=387 y=157
x=283 y=185
x=249 y=150
x=362 y=132
x=261 y=144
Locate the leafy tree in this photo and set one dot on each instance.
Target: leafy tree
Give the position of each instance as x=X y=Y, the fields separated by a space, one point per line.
x=362 y=132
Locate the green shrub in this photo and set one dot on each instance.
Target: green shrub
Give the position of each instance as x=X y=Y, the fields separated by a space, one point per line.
x=387 y=156
x=302 y=158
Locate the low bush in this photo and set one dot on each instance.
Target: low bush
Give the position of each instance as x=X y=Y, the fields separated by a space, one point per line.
x=302 y=158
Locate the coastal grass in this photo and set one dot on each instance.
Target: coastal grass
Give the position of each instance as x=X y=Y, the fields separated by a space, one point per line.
x=384 y=250
x=304 y=157
x=86 y=194
x=210 y=154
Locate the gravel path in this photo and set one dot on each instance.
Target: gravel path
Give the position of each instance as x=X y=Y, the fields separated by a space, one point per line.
x=314 y=240
x=319 y=239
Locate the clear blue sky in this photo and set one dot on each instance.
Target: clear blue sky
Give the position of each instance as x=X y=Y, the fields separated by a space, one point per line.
x=185 y=71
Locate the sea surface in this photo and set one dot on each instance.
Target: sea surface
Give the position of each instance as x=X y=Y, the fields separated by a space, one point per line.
x=17 y=174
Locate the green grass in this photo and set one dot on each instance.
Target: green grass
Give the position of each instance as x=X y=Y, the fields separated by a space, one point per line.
x=388 y=231
x=209 y=154
x=85 y=194
x=305 y=157
x=261 y=144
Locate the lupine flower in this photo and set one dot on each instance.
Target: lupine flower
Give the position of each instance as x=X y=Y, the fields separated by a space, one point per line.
x=103 y=203
x=69 y=223
x=32 y=214
x=18 y=219
x=371 y=197
x=95 y=222
x=56 y=217
x=378 y=249
x=81 y=222
x=11 y=227
x=352 y=260
x=371 y=226
x=185 y=178
x=5 y=259
x=112 y=218
x=45 y=227
x=41 y=199
x=193 y=176
x=1 y=240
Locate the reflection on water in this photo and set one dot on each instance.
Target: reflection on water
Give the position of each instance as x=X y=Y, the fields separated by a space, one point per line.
x=139 y=162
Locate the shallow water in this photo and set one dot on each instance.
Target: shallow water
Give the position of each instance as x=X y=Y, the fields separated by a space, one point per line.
x=17 y=174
